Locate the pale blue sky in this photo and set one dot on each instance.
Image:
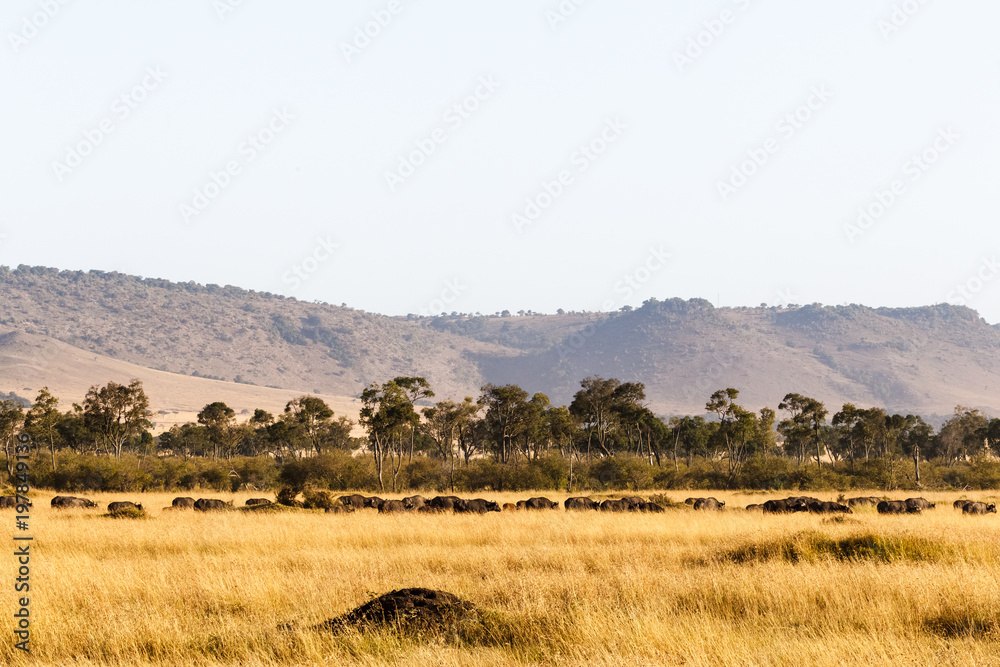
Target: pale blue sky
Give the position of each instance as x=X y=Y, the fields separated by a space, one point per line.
x=333 y=120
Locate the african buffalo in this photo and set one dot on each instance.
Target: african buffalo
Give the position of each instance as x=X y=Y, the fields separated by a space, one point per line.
x=253 y=502
x=373 y=502
x=919 y=503
x=709 y=504
x=69 y=501
x=633 y=502
x=183 y=503
x=443 y=503
x=477 y=506
x=509 y=507
x=124 y=504
x=690 y=501
x=755 y=508
x=539 y=504
x=829 y=508
x=209 y=504
x=613 y=506
x=896 y=507
x=580 y=503
x=650 y=507
x=388 y=506
x=959 y=504
x=11 y=501
x=414 y=502
x=356 y=500
x=784 y=506
x=862 y=501
x=979 y=508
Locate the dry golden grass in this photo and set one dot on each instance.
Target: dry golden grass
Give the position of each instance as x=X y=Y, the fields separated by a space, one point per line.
x=589 y=588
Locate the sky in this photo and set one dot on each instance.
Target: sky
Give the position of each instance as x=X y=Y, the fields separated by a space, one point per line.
x=421 y=156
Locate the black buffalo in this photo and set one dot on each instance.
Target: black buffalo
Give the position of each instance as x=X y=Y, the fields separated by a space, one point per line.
x=979 y=508
x=414 y=502
x=254 y=502
x=357 y=501
x=650 y=507
x=538 y=504
x=755 y=508
x=373 y=502
x=70 y=501
x=16 y=502
x=959 y=504
x=784 y=506
x=709 y=504
x=476 y=506
x=183 y=503
x=581 y=503
x=829 y=508
x=896 y=507
x=124 y=504
x=389 y=506
x=443 y=503
x=209 y=504
x=920 y=503
x=613 y=506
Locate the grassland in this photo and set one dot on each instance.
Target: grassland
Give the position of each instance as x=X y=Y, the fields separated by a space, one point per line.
x=680 y=588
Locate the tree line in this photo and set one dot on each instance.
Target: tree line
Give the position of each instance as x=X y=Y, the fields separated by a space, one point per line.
x=606 y=420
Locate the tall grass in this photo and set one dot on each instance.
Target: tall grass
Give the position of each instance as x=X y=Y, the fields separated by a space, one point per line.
x=684 y=587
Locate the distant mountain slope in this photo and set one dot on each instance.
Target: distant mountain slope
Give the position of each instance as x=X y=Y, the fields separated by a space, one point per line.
x=923 y=360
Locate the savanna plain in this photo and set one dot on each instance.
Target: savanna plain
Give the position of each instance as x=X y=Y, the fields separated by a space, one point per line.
x=588 y=588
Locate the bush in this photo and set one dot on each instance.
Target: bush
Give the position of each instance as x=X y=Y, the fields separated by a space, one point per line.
x=318 y=500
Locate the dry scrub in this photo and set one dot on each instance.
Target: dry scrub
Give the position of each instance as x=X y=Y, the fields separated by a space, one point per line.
x=732 y=588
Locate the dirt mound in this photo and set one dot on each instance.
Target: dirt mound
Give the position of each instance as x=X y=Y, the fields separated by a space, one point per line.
x=420 y=609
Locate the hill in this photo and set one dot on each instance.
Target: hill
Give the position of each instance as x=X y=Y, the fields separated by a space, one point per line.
x=923 y=360
x=29 y=362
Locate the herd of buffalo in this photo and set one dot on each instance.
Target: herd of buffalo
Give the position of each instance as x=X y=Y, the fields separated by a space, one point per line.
x=458 y=505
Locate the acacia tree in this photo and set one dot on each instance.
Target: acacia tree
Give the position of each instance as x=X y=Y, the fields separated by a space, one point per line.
x=116 y=413
x=388 y=416
x=807 y=417
x=220 y=422
x=311 y=418
x=504 y=420
x=916 y=436
x=42 y=419
x=601 y=405
x=414 y=388
x=736 y=425
x=11 y=422
x=449 y=423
